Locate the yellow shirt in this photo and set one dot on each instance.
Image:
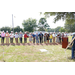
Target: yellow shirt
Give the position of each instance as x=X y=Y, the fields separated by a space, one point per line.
x=51 y=37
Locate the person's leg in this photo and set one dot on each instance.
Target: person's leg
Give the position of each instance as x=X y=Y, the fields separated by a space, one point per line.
x=10 y=40
x=24 y=40
x=48 y=41
x=21 y=40
x=6 y=40
x=2 y=40
x=33 y=40
x=72 y=52
x=54 y=39
x=51 y=40
x=40 y=40
x=15 y=40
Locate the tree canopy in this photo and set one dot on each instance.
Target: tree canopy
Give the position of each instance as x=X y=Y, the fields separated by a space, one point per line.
x=67 y=16
x=42 y=25
x=29 y=24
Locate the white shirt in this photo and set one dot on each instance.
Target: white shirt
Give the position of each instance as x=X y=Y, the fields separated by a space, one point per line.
x=65 y=35
x=11 y=35
x=16 y=36
x=54 y=35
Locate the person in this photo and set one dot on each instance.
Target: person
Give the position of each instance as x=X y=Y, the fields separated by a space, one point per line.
x=54 y=37
x=45 y=38
x=73 y=47
x=16 y=37
x=25 y=38
x=20 y=36
x=30 y=38
x=65 y=34
x=7 y=37
x=51 y=37
x=33 y=37
x=37 y=38
x=57 y=38
x=40 y=37
x=2 y=37
x=11 y=37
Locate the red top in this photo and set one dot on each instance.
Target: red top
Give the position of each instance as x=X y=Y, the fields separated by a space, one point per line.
x=25 y=36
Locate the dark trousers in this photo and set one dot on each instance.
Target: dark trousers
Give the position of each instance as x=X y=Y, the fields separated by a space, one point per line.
x=20 y=40
x=25 y=40
x=11 y=40
x=33 y=40
x=40 y=40
x=2 y=39
x=60 y=39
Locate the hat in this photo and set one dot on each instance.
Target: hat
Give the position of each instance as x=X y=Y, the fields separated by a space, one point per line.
x=20 y=31
x=15 y=32
x=6 y=31
x=3 y=30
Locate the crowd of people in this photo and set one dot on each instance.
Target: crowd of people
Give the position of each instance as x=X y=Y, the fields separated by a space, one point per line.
x=33 y=37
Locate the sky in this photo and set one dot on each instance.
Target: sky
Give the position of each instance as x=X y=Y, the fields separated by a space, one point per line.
x=6 y=19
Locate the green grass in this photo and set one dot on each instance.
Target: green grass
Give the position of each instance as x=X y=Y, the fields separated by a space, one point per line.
x=32 y=53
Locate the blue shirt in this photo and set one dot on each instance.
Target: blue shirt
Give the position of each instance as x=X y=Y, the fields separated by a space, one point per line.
x=36 y=36
x=33 y=35
x=20 y=35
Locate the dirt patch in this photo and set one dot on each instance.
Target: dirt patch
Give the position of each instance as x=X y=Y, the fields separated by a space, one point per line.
x=31 y=44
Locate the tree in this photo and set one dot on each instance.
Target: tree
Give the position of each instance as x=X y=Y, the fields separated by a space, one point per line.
x=57 y=29
x=62 y=29
x=29 y=25
x=18 y=29
x=43 y=24
x=69 y=28
x=6 y=29
x=67 y=16
x=41 y=29
x=50 y=30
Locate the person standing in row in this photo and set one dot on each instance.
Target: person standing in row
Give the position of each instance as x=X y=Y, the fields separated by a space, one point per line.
x=20 y=36
x=2 y=37
x=40 y=37
x=25 y=38
x=33 y=37
x=7 y=37
x=37 y=38
x=59 y=37
x=11 y=37
x=54 y=37
x=16 y=37
x=51 y=37
x=45 y=38
x=30 y=38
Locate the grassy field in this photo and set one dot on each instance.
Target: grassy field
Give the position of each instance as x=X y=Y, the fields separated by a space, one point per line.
x=27 y=53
